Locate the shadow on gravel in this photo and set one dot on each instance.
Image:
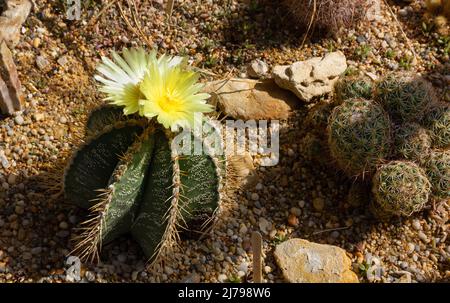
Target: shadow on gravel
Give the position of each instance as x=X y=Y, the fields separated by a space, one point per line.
x=262 y=25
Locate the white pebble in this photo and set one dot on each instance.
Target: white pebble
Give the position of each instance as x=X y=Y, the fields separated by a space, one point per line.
x=222 y=278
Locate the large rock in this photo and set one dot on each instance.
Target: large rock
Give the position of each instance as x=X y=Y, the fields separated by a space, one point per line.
x=10 y=88
x=12 y=19
x=302 y=261
x=251 y=99
x=311 y=78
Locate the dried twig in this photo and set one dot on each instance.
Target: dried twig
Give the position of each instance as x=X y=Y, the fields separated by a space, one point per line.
x=138 y=32
x=311 y=21
x=330 y=229
x=98 y=15
x=169 y=7
x=257 y=257
x=403 y=32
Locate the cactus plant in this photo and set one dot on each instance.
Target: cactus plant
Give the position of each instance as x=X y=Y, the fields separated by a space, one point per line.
x=401 y=188
x=412 y=142
x=326 y=15
x=406 y=98
x=131 y=173
x=132 y=179
x=353 y=87
x=438 y=171
x=437 y=120
x=359 y=136
x=104 y=116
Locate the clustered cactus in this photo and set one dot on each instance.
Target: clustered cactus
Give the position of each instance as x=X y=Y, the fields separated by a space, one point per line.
x=437 y=121
x=359 y=135
x=327 y=15
x=401 y=187
x=405 y=98
x=132 y=179
x=438 y=171
x=412 y=142
x=353 y=87
x=391 y=137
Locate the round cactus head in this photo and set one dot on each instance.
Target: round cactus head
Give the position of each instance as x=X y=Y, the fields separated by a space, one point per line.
x=437 y=120
x=401 y=188
x=412 y=142
x=405 y=97
x=348 y=88
x=359 y=136
x=438 y=171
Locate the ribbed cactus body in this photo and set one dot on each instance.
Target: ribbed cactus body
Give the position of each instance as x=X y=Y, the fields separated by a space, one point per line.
x=134 y=180
x=125 y=188
x=92 y=166
x=102 y=117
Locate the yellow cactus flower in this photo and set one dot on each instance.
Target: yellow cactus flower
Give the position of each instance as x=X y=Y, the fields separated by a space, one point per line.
x=172 y=95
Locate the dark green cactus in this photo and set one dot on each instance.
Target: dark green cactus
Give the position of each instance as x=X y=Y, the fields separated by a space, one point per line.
x=359 y=136
x=412 y=142
x=406 y=98
x=401 y=188
x=438 y=171
x=103 y=116
x=134 y=181
x=353 y=87
x=437 y=120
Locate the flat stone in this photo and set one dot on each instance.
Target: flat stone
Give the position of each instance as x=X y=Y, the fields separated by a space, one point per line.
x=42 y=62
x=11 y=99
x=12 y=19
x=248 y=99
x=311 y=78
x=302 y=261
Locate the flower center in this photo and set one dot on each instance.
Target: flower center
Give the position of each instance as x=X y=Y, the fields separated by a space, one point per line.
x=169 y=104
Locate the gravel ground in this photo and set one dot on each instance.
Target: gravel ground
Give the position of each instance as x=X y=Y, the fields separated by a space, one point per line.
x=56 y=60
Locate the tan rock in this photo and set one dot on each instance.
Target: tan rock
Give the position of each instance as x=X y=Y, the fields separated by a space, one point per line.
x=302 y=261
x=12 y=19
x=251 y=99
x=311 y=78
x=10 y=88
